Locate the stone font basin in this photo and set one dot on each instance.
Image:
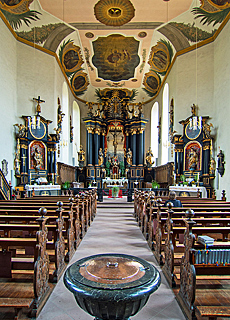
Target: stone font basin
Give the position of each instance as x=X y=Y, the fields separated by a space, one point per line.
x=112 y=286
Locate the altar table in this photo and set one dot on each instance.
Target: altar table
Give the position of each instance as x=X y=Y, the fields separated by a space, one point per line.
x=43 y=190
x=108 y=182
x=188 y=191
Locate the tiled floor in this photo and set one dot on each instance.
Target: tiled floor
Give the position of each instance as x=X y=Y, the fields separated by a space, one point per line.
x=114 y=230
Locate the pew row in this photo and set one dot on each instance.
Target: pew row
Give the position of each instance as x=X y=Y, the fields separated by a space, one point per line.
x=190 y=285
x=34 y=298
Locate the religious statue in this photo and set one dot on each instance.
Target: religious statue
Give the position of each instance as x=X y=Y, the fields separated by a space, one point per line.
x=193 y=159
x=122 y=168
x=100 y=157
x=129 y=157
x=108 y=164
x=21 y=130
x=71 y=129
x=212 y=167
x=221 y=163
x=60 y=116
x=81 y=156
x=193 y=110
x=148 y=158
x=207 y=129
x=37 y=159
x=17 y=164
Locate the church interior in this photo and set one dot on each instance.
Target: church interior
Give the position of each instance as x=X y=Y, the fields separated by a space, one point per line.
x=87 y=147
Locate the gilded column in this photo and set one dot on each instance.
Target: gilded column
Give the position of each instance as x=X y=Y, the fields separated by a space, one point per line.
x=24 y=162
x=140 y=151
x=127 y=144
x=134 y=146
x=89 y=142
x=102 y=144
x=206 y=157
x=96 y=145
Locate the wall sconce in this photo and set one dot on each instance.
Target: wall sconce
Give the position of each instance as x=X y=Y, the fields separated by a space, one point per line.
x=221 y=163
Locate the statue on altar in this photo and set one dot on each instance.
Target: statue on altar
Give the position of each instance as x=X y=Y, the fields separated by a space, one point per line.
x=221 y=163
x=37 y=159
x=212 y=167
x=148 y=158
x=129 y=157
x=193 y=159
x=100 y=157
x=81 y=156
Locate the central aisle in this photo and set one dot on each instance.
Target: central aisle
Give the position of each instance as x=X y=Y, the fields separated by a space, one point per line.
x=114 y=230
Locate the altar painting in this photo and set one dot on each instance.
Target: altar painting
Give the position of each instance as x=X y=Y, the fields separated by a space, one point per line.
x=120 y=145
x=37 y=156
x=192 y=156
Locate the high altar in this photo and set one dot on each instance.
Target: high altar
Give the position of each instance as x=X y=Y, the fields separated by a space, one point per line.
x=115 y=139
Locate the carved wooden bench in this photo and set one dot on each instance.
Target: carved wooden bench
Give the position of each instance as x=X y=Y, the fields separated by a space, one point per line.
x=189 y=292
x=39 y=284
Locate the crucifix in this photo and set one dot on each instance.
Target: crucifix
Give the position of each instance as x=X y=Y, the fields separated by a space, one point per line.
x=38 y=108
x=115 y=143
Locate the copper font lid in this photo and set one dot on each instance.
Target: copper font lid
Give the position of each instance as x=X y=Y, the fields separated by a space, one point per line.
x=112 y=270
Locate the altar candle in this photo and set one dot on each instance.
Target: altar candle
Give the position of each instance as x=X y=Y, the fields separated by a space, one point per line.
x=200 y=122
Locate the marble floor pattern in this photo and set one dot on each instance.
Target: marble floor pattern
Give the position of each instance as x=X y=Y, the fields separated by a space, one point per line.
x=114 y=230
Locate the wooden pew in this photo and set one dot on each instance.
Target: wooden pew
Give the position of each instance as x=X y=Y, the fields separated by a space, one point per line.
x=188 y=297
x=63 y=247
x=220 y=226
x=16 y=299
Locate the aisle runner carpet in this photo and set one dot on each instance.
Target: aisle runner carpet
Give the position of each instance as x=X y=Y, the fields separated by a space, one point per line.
x=114 y=230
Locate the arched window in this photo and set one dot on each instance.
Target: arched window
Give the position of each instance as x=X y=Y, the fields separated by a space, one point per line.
x=165 y=126
x=65 y=125
x=154 y=130
x=76 y=132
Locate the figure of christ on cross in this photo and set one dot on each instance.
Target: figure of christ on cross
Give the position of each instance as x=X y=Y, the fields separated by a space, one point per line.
x=38 y=108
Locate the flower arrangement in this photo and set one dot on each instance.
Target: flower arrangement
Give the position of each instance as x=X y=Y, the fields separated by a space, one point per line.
x=115 y=191
x=155 y=185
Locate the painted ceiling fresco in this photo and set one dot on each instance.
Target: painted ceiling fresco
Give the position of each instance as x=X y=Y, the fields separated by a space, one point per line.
x=115 y=57
x=115 y=43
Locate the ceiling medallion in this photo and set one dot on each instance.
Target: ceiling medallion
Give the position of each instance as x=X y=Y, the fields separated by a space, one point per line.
x=159 y=58
x=114 y=12
x=89 y=35
x=16 y=6
x=71 y=57
x=142 y=34
x=217 y=4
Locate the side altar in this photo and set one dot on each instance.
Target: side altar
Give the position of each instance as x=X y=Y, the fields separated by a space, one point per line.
x=35 y=156
x=194 y=162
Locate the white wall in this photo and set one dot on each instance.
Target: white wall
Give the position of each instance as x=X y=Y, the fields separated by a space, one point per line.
x=8 y=96
x=222 y=103
x=202 y=77
x=25 y=73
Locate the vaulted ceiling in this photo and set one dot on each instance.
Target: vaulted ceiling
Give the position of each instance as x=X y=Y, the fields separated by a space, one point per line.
x=126 y=44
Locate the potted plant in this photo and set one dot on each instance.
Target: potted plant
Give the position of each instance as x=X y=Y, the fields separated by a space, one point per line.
x=115 y=191
x=66 y=185
x=155 y=185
